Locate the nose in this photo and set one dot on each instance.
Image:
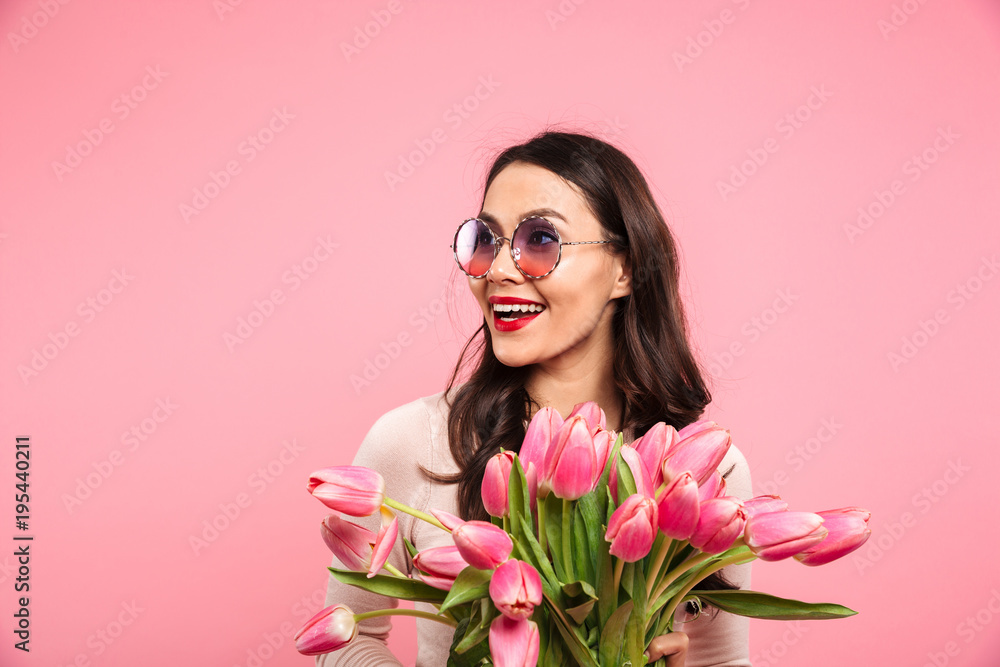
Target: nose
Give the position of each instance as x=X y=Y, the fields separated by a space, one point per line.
x=503 y=268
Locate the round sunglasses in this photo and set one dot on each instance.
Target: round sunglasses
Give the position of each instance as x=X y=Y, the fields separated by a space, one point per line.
x=535 y=247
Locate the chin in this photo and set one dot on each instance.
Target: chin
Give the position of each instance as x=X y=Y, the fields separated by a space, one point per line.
x=512 y=360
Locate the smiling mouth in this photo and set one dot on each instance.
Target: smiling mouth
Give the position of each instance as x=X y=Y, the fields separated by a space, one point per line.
x=508 y=312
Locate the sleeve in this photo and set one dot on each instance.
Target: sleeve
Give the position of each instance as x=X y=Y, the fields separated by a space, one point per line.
x=718 y=638
x=390 y=449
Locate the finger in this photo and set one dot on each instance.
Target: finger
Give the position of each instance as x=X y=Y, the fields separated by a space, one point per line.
x=671 y=646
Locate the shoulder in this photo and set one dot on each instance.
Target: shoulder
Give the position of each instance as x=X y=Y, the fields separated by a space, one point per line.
x=405 y=437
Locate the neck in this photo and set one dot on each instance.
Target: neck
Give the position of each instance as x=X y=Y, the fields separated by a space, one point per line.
x=564 y=390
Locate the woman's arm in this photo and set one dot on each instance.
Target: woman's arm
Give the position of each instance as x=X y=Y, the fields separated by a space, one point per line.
x=390 y=448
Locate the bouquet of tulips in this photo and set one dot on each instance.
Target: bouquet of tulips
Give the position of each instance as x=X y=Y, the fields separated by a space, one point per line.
x=592 y=547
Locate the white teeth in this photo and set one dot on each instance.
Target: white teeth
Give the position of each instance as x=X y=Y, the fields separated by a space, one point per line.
x=518 y=307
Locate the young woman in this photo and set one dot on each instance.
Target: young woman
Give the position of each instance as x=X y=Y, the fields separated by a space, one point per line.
x=576 y=272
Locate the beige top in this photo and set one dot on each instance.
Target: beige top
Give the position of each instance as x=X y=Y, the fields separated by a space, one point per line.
x=417 y=433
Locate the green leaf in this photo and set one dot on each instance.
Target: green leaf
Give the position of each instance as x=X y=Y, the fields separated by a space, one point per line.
x=635 y=629
x=626 y=482
x=552 y=507
x=470 y=658
x=479 y=631
x=580 y=599
x=587 y=537
x=550 y=582
x=518 y=500
x=762 y=605
x=470 y=584
x=396 y=587
x=410 y=549
x=576 y=644
x=610 y=650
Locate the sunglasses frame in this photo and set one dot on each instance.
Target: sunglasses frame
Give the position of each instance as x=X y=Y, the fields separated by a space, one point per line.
x=498 y=242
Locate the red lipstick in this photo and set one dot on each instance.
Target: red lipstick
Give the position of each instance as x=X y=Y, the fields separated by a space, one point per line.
x=501 y=324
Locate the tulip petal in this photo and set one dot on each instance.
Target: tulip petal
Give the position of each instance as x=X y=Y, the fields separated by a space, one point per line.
x=632 y=528
x=848 y=530
x=572 y=461
x=678 y=508
x=482 y=545
x=352 y=490
x=516 y=589
x=384 y=541
x=513 y=643
x=720 y=523
x=700 y=453
x=592 y=413
x=539 y=436
x=349 y=542
x=496 y=479
x=332 y=628
x=447 y=519
x=653 y=447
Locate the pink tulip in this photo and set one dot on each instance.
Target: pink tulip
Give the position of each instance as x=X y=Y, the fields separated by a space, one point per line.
x=714 y=487
x=440 y=566
x=695 y=427
x=643 y=484
x=720 y=523
x=571 y=462
x=513 y=643
x=495 y=480
x=539 y=436
x=516 y=588
x=447 y=519
x=763 y=504
x=847 y=530
x=653 y=447
x=482 y=545
x=350 y=543
x=700 y=453
x=632 y=528
x=679 y=507
x=353 y=490
x=778 y=535
x=384 y=541
x=592 y=413
x=602 y=448
x=331 y=629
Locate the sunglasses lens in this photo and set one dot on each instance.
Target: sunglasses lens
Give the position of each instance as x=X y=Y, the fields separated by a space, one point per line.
x=536 y=246
x=474 y=247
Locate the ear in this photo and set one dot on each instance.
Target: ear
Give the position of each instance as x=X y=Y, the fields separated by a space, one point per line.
x=623 y=279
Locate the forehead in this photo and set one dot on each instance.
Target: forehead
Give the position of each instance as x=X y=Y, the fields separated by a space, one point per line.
x=521 y=187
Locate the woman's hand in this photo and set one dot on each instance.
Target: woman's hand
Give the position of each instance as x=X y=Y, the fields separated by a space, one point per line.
x=671 y=646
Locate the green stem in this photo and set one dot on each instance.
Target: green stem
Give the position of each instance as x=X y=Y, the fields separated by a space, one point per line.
x=406 y=509
x=679 y=570
x=393 y=570
x=404 y=612
x=735 y=559
x=541 y=528
x=654 y=570
x=619 y=566
x=567 y=542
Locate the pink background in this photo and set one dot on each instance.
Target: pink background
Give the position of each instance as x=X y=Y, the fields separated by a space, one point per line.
x=796 y=308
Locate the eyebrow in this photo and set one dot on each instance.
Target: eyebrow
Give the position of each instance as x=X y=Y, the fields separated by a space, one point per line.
x=542 y=212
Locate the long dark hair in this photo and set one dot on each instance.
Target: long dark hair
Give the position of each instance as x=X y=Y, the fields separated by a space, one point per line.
x=655 y=370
